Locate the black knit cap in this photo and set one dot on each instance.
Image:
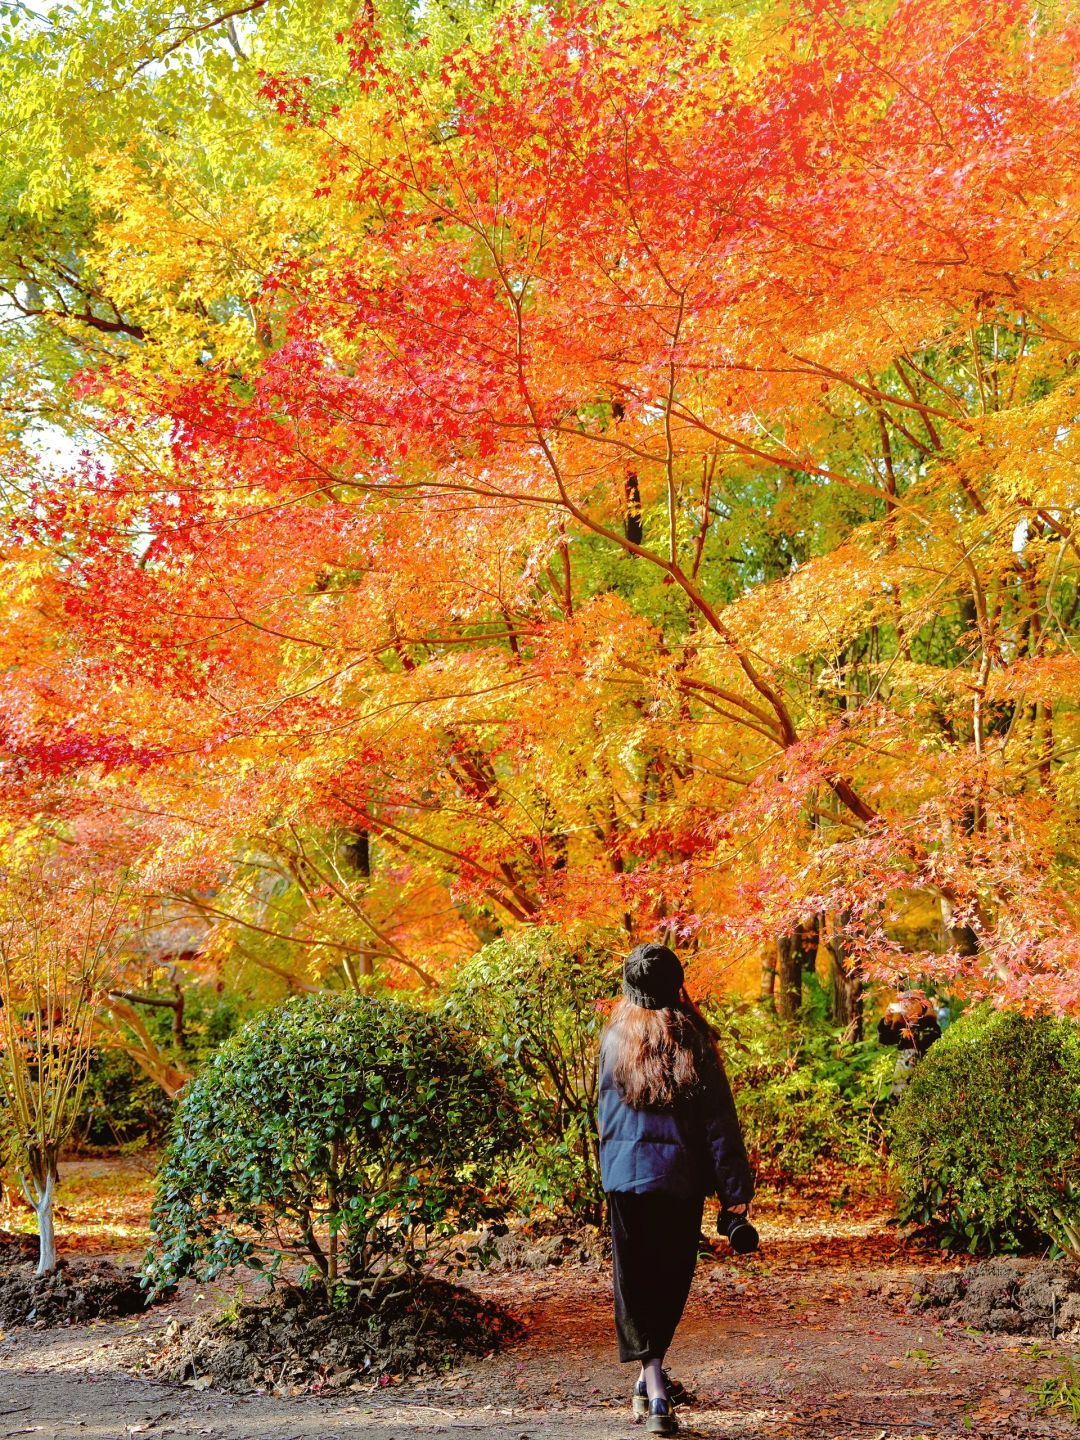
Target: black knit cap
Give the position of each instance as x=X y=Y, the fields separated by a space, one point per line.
x=652 y=977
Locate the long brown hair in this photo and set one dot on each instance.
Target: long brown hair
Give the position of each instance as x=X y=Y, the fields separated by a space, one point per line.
x=657 y=1055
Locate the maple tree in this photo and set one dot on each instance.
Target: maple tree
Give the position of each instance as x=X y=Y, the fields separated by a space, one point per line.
x=59 y=949
x=640 y=490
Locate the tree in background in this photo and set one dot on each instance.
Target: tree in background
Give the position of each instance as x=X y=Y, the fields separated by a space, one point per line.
x=59 y=946
x=537 y=1003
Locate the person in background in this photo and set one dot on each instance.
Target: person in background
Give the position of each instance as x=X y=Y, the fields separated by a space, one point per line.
x=911 y=1024
x=669 y=1136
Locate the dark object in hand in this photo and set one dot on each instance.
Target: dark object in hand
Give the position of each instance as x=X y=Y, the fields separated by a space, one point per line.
x=738 y=1230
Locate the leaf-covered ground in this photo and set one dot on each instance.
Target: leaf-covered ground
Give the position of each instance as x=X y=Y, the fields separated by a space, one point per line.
x=102 y=1206
x=812 y=1341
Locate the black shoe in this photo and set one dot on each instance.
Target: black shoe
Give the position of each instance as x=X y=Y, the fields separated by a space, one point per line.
x=641 y=1401
x=676 y=1391
x=661 y=1421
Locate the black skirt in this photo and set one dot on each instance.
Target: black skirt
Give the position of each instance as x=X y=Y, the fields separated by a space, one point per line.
x=654 y=1243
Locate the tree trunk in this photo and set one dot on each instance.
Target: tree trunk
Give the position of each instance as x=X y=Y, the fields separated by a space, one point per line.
x=357 y=851
x=789 y=969
x=961 y=938
x=767 y=993
x=807 y=940
x=632 y=527
x=179 y=1035
x=846 y=988
x=40 y=1194
x=145 y=1053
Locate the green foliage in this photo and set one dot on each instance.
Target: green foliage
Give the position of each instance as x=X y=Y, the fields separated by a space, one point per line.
x=349 y=1132
x=121 y=1104
x=804 y=1095
x=1059 y=1393
x=166 y=87
x=536 y=1002
x=986 y=1141
x=1064 y=1223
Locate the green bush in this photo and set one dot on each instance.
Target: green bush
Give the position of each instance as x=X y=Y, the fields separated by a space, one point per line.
x=987 y=1136
x=536 y=1002
x=350 y=1133
x=805 y=1096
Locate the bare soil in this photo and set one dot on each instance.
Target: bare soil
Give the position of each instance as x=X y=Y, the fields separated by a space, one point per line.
x=17 y=1246
x=75 y=1292
x=540 y=1244
x=815 y=1339
x=1013 y=1296
x=289 y=1341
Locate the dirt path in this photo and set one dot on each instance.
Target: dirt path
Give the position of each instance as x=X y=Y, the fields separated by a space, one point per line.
x=804 y=1345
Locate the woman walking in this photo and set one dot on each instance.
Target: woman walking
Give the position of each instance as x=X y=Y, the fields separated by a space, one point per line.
x=669 y=1136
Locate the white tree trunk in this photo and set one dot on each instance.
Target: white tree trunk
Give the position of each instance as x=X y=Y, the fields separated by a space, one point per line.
x=42 y=1201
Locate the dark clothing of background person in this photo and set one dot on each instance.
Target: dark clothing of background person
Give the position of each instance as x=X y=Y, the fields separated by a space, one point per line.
x=917 y=1035
x=657 y=1167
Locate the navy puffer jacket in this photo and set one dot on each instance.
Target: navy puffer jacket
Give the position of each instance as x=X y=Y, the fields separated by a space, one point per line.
x=694 y=1148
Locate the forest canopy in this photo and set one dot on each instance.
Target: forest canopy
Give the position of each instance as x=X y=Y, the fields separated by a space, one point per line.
x=467 y=468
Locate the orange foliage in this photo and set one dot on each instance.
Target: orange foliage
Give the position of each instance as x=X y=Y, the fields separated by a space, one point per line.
x=664 y=512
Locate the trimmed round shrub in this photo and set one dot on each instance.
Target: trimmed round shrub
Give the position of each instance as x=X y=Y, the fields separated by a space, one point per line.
x=987 y=1136
x=537 y=1003
x=352 y=1134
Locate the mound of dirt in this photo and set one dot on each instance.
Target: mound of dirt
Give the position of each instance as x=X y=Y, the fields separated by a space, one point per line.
x=71 y=1295
x=542 y=1243
x=15 y=1247
x=1017 y=1297
x=287 y=1342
